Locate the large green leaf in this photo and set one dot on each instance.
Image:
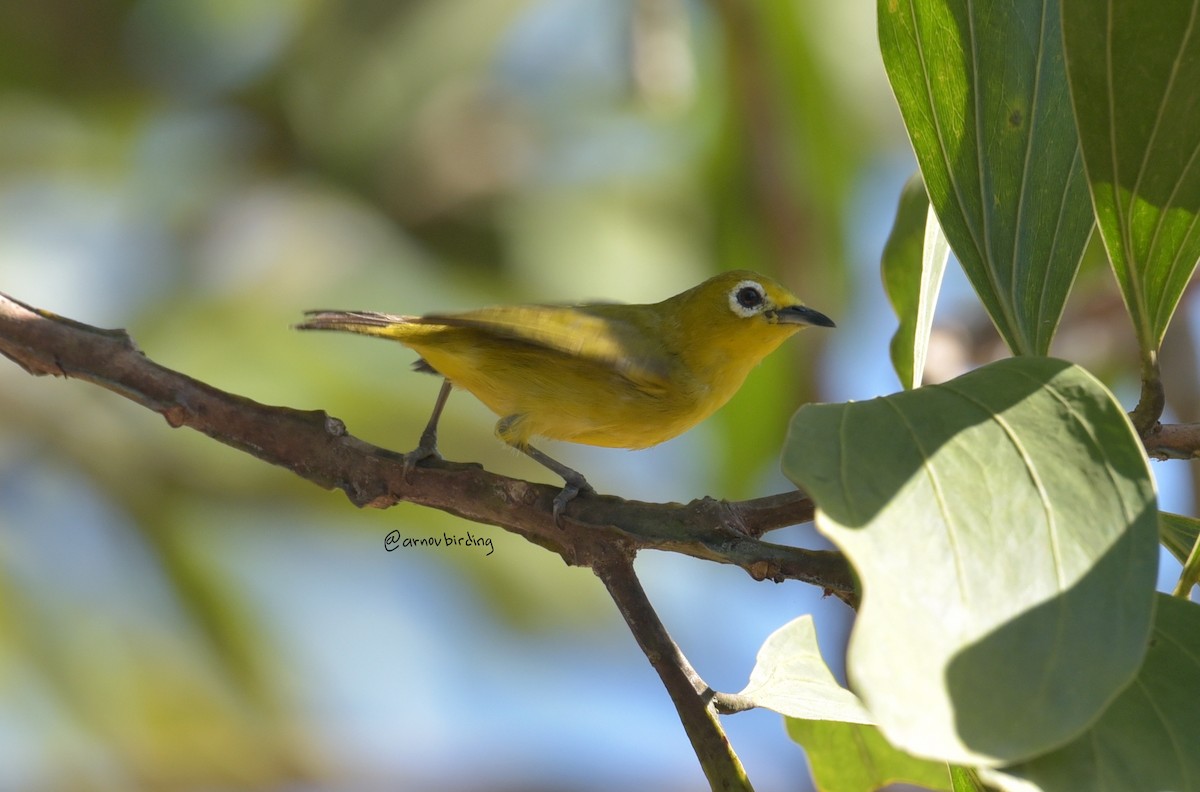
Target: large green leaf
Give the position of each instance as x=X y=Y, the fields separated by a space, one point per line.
x=851 y=757
x=1147 y=740
x=1005 y=530
x=1134 y=70
x=982 y=89
x=914 y=260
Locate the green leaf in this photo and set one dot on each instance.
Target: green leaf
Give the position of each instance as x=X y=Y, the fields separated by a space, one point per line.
x=844 y=751
x=965 y=779
x=1005 y=530
x=1178 y=534
x=914 y=260
x=1133 y=71
x=850 y=757
x=983 y=93
x=791 y=678
x=1146 y=740
x=1181 y=535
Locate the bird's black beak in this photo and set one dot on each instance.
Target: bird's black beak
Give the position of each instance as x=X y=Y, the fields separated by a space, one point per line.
x=801 y=314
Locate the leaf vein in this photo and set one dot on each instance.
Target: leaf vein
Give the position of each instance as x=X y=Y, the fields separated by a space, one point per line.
x=943 y=147
x=1158 y=318
x=939 y=496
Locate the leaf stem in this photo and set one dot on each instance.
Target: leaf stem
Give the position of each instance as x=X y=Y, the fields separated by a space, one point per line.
x=1190 y=575
x=1152 y=401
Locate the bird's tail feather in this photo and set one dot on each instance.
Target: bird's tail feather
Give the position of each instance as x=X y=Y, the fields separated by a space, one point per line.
x=364 y=322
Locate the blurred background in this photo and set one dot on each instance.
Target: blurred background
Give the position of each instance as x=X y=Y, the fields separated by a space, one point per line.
x=177 y=615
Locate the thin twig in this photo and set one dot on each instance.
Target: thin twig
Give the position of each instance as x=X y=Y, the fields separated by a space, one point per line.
x=1173 y=441
x=721 y=765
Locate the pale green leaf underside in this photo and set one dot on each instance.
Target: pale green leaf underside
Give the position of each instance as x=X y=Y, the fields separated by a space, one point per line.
x=1146 y=741
x=983 y=93
x=914 y=260
x=1134 y=70
x=791 y=678
x=1005 y=530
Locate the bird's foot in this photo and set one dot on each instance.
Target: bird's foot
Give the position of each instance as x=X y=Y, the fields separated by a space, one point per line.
x=575 y=485
x=426 y=449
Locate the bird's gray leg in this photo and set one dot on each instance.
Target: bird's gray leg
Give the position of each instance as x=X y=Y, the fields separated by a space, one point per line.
x=575 y=482
x=428 y=446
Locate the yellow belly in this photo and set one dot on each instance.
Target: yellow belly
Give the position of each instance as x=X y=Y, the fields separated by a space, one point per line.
x=550 y=394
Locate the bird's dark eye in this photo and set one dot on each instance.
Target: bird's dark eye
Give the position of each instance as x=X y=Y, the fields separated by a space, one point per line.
x=749 y=297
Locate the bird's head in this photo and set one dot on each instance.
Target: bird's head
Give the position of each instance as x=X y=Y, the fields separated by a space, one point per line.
x=742 y=305
x=737 y=318
x=718 y=331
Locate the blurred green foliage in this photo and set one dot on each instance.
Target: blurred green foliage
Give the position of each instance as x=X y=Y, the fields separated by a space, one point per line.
x=202 y=172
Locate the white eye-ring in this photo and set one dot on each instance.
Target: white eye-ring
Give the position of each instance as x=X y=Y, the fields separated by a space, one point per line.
x=747 y=298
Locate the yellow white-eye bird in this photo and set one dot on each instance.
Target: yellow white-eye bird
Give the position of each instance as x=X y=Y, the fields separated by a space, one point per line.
x=620 y=376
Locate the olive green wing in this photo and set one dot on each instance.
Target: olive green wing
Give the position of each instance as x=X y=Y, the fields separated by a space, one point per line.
x=622 y=337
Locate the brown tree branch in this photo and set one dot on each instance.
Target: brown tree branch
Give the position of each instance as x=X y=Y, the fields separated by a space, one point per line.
x=599 y=531
x=317 y=447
